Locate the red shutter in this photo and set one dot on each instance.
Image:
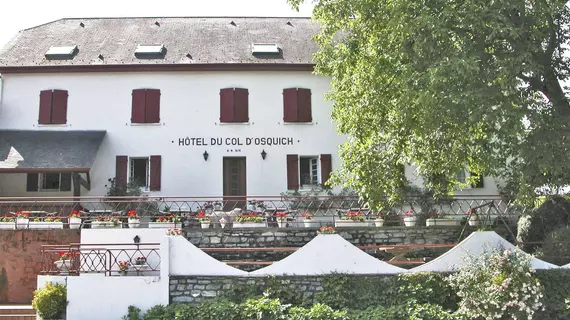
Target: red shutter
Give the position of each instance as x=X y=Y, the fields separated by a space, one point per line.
x=32 y=182
x=45 y=107
x=138 y=108
x=292 y=172
x=227 y=105
x=155 y=172
x=326 y=168
x=122 y=164
x=290 y=105
x=59 y=107
x=152 y=109
x=241 y=105
x=304 y=105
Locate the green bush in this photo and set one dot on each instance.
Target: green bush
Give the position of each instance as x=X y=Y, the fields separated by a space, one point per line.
x=556 y=283
x=159 y=312
x=556 y=247
x=238 y=293
x=534 y=226
x=316 y=312
x=50 y=302
x=133 y=313
x=427 y=288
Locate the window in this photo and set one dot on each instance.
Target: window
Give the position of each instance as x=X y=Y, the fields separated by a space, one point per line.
x=303 y=171
x=297 y=105
x=308 y=171
x=62 y=53
x=49 y=181
x=264 y=48
x=145 y=106
x=145 y=172
x=462 y=176
x=150 y=50
x=234 y=105
x=139 y=172
x=53 y=107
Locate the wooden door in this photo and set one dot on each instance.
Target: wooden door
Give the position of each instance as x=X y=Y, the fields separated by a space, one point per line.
x=234 y=183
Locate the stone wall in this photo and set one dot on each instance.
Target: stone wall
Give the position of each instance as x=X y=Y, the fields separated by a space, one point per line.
x=195 y=289
x=298 y=237
x=21 y=261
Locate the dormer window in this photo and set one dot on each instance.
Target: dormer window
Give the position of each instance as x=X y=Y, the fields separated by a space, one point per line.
x=152 y=51
x=265 y=48
x=63 y=53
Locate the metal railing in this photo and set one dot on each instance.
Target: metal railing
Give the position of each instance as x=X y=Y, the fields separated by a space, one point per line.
x=142 y=259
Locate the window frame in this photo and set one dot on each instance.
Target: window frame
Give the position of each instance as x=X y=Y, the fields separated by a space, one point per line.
x=130 y=171
x=42 y=179
x=312 y=170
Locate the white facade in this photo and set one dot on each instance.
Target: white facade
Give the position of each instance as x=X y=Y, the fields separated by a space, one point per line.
x=190 y=108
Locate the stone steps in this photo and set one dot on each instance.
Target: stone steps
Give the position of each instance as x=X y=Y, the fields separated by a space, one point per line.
x=19 y=312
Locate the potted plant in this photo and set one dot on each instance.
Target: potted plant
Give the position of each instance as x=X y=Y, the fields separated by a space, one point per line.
x=7 y=223
x=249 y=220
x=326 y=230
x=281 y=219
x=379 y=221
x=63 y=265
x=133 y=219
x=410 y=218
x=308 y=220
x=123 y=267
x=174 y=232
x=168 y=221
x=352 y=219
x=54 y=222
x=36 y=223
x=139 y=261
x=100 y=222
x=22 y=219
x=74 y=219
x=204 y=220
x=438 y=219
x=114 y=222
x=473 y=218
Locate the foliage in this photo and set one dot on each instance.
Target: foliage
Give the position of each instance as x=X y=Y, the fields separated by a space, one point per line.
x=534 y=226
x=316 y=312
x=427 y=288
x=50 y=302
x=250 y=217
x=264 y=308
x=496 y=285
x=556 y=247
x=133 y=313
x=444 y=86
x=556 y=284
x=121 y=198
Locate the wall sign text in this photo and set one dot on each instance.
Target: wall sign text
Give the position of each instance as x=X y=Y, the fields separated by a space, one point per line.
x=235 y=141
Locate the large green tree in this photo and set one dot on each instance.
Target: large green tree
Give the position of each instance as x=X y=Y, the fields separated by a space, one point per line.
x=445 y=85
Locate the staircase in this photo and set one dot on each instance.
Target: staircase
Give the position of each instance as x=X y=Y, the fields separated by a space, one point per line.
x=20 y=312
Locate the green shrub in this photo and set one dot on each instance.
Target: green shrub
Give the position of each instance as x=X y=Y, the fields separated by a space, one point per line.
x=50 y=302
x=534 y=226
x=316 y=312
x=159 y=312
x=264 y=308
x=133 y=313
x=556 y=283
x=427 y=288
x=239 y=293
x=556 y=247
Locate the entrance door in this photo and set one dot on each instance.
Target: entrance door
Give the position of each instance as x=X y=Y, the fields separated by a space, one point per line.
x=234 y=183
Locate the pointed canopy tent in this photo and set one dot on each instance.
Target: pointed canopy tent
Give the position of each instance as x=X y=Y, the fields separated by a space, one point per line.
x=188 y=260
x=475 y=244
x=327 y=254
x=567 y=266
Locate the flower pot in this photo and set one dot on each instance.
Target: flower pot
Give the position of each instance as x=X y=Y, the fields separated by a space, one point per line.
x=282 y=224
x=379 y=222
x=37 y=225
x=167 y=225
x=249 y=225
x=134 y=223
x=223 y=222
x=473 y=221
x=63 y=265
x=350 y=223
x=410 y=221
x=22 y=223
x=442 y=222
x=55 y=225
x=97 y=224
x=74 y=223
x=7 y=226
x=205 y=225
x=123 y=273
x=310 y=224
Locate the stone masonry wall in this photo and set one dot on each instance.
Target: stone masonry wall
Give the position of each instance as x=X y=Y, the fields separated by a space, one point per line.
x=21 y=261
x=196 y=289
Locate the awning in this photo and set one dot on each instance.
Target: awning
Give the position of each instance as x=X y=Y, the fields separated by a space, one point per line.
x=23 y=151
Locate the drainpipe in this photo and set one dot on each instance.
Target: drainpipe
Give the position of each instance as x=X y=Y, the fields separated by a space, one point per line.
x=1 y=90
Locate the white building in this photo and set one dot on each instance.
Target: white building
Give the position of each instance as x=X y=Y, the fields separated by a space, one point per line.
x=186 y=106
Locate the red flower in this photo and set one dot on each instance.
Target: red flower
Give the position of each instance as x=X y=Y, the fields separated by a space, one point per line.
x=281 y=214
x=201 y=214
x=132 y=214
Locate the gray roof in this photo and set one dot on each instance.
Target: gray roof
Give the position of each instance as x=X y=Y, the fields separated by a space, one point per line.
x=195 y=40
x=30 y=149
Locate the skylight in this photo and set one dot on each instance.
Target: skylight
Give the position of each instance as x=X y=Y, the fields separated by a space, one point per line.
x=150 y=49
x=64 y=52
x=267 y=48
